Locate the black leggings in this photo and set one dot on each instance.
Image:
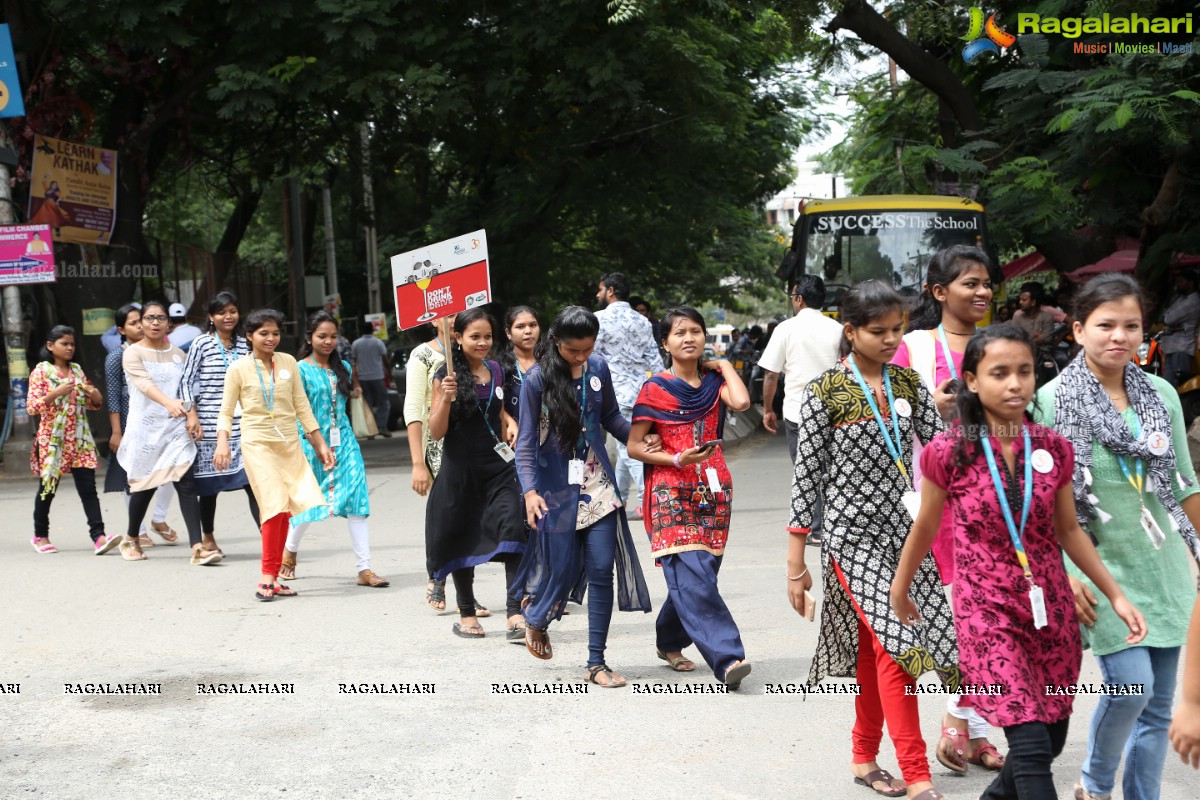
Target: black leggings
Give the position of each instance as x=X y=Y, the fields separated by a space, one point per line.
x=85 y=487
x=189 y=506
x=1032 y=747
x=208 y=511
x=464 y=587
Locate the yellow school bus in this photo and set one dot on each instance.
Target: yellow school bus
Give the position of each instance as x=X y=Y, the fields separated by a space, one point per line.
x=890 y=237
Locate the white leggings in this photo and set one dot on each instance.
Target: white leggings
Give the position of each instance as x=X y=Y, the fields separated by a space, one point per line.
x=977 y=726
x=358 y=539
x=162 y=504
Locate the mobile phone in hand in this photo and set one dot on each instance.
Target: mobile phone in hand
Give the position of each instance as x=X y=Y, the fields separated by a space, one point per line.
x=810 y=606
x=711 y=443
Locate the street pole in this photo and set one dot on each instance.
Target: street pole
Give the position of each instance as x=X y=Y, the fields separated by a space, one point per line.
x=374 y=302
x=331 y=284
x=14 y=334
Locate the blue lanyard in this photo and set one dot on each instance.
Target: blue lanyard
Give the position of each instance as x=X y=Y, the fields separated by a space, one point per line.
x=1016 y=534
x=1139 y=466
x=946 y=352
x=224 y=352
x=893 y=447
x=487 y=409
x=583 y=395
x=269 y=399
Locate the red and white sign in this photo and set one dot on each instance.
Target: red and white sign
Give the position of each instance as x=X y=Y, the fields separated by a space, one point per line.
x=441 y=279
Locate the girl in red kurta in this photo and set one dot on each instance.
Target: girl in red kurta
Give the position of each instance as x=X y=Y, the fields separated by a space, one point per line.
x=61 y=395
x=688 y=495
x=1007 y=485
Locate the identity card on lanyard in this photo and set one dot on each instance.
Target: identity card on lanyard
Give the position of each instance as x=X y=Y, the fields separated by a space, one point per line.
x=269 y=399
x=1137 y=479
x=575 y=467
x=1037 y=600
x=335 y=432
x=911 y=500
x=502 y=449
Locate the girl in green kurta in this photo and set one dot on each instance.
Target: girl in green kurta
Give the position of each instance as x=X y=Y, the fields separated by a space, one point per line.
x=1141 y=505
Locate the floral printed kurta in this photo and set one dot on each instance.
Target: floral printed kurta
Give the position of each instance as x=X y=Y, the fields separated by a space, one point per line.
x=78 y=449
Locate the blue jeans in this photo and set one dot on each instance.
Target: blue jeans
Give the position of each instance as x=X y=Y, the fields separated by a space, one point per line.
x=1134 y=724
x=629 y=470
x=596 y=547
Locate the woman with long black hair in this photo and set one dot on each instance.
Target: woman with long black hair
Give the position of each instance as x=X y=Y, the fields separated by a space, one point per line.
x=203 y=384
x=570 y=491
x=474 y=510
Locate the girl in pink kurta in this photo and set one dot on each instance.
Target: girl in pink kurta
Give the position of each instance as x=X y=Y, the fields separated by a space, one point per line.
x=1006 y=483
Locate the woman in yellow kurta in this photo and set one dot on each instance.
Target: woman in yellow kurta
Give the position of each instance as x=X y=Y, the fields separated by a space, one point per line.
x=268 y=389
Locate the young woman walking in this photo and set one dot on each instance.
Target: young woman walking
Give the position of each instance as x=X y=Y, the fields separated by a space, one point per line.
x=158 y=445
x=1136 y=494
x=61 y=395
x=268 y=387
x=326 y=381
x=208 y=360
x=958 y=293
x=116 y=397
x=571 y=498
x=523 y=332
x=855 y=440
x=474 y=512
x=689 y=496
x=1006 y=487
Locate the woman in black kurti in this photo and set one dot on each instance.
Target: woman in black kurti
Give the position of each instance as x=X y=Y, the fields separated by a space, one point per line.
x=474 y=513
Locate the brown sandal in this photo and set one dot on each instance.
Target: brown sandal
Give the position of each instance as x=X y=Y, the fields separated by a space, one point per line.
x=679 y=663
x=369 y=578
x=287 y=568
x=983 y=751
x=880 y=776
x=536 y=638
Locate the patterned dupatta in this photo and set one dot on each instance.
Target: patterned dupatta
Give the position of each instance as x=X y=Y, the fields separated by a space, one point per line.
x=670 y=400
x=51 y=458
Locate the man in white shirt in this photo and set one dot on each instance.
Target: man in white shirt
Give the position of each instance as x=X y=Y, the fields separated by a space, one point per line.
x=626 y=342
x=801 y=348
x=182 y=333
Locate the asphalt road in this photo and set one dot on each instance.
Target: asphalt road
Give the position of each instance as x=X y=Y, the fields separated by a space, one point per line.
x=73 y=619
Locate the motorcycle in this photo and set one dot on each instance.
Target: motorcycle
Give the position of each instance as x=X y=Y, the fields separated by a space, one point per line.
x=1053 y=354
x=1150 y=356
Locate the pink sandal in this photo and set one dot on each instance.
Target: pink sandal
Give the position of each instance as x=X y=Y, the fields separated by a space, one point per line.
x=988 y=749
x=42 y=545
x=958 y=746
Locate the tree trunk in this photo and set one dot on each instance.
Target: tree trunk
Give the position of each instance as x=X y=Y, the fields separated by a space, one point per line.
x=858 y=16
x=225 y=257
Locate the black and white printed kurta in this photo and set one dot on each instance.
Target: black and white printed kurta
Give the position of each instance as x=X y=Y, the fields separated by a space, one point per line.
x=841 y=452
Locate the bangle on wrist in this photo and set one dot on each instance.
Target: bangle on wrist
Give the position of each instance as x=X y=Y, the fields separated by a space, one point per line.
x=676 y=460
x=798 y=577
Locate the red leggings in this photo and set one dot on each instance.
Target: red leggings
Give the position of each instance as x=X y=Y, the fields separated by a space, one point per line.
x=274 y=536
x=883 y=698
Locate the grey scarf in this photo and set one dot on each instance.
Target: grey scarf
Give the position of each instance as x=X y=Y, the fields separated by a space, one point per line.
x=1084 y=412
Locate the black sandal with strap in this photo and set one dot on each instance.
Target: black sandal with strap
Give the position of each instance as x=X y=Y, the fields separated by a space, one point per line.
x=592 y=672
x=436 y=593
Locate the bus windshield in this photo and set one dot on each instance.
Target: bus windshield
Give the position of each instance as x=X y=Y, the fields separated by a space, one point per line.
x=893 y=245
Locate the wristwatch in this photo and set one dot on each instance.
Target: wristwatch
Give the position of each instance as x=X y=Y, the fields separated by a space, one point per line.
x=186 y=404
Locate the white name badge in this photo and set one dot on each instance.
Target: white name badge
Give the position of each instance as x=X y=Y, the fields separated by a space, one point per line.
x=912 y=503
x=505 y=452
x=1037 y=602
x=237 y=409
x=1157 y=442
x=714 y=481
x=1042 y=461
x=575 y=472
x=284 y=374
x=594 y=383
x=1150 y=526
x=903 y=407
x=177 y=359
x=499 y=392
x=335 y=436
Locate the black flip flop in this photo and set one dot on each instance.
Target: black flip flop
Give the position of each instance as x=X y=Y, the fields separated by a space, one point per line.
x=459 y=631
x=515 y=635
x=266 y=598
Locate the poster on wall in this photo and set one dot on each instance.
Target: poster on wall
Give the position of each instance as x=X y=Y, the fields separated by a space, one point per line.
x=26 y=254
x=73 y=190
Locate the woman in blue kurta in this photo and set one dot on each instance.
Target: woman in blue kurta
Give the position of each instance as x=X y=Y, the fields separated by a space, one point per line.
x=327 y=384
x=570 y=495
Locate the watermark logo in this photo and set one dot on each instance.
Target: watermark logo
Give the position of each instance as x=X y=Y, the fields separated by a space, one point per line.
x=985 y=37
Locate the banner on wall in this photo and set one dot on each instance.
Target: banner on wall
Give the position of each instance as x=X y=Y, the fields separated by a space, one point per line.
x=26 y=254
x=73 y=190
